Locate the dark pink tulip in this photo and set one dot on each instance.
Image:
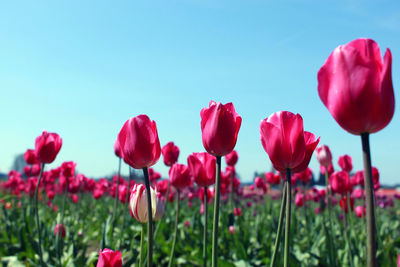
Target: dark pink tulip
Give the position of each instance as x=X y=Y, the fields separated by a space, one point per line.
x=59 y=230
x=345 y=163
x=237 y=212
x=30 y=157
x=170 y=153
x=340 y=182
x=304 y=176
x=68 y=168
x=359 y=177
x=272 y=178
x=47 y=147
x=109 y=258
x=162 y=187
x=187 y=224
x=358 y=193
x=232 y=229
x=139 y=142
x=260 y=183
x=356 y=86
x=32 y=170
x=324 y=155
x=220 y=126
x=180 y=176
x=282 y=137
x=398 y=260
x=343 y=204
x=311 y=144
x=202 y=166
x=75 y=198
x=232 y=158
x=153 y=175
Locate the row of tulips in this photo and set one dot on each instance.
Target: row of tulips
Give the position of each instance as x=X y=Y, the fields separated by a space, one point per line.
x=354 y=84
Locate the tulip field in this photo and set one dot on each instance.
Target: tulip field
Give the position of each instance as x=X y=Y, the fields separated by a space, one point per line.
x=202 y=214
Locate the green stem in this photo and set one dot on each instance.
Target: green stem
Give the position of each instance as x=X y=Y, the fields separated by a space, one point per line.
x=150 y=219
x=329 y=208
x=288 y=214
x=369 y=199
x=171 y=257
x=125 y=209
x=165 y=207
x=205 y=228
x=278 y=234
x=141 y=246
x=58 y=241
x=115 y=211
x=216 y=214
x=37 y=213
x=346 y=236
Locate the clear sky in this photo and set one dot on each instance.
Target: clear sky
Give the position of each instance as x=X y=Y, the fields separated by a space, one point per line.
x=82 y=68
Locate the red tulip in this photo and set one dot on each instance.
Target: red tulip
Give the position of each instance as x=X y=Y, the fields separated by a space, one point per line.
x=343 y=204
x=32 y=170
x=139 y=142
x=180 y=176
x=304 y=176
x=162 y=187
x=68 y=168
x=282 y=137
x=324 y=155
x=322 y=169
x=237 y=212
x=47 y=147
x=59 y=230
x=109 y=258
x=202 y=167
x=340 y=182
x=201 y=194
x=356 y=86
x=170 y=153
x=260 y=183
x=232 y=158
x=220 y=126
x=30 y=157
x=345 y=163
x=272 y=178
x=153 y=175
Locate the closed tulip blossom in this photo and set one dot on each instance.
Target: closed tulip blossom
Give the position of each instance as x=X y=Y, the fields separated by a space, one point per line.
x=356 y=86
x=260 y=183
x=272 y=178
x=68 y=168
x=232 y=158
x=138 y=203
x=299 y=200
x=345 y=162
x=140 y=146
x=220 y=126
x=30 y=157
x=47 y=147
x=180 y=176
x=59 y=229
x=324 y=155
x=170 y=153
x=232 y=229
x=340 y=182
x=117 y=148
x=109 y=258
x=202 y=167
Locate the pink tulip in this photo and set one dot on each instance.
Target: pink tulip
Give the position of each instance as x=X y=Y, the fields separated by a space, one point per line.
x=170 y=153
x=180 y=176
x=232 y=158
x=324 y=155
x=47 y=147
x=202 y=166
x=109 y=258
x=356 y=86
x=220 y=126
x=345 y=163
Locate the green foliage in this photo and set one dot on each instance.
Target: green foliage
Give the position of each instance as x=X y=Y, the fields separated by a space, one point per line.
x=88 y=225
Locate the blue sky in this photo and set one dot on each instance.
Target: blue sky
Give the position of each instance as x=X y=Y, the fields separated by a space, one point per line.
x=82 y=68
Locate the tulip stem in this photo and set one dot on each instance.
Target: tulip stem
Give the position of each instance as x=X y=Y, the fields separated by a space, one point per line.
x=205 y=228
x=278 y=234
x=58 y=241
x=216 y=214
x=328 y=202
x=171 y=257
x=126 y=207
x=141 y=246
x=37 y=214
x=369 y=199
x=115 y=211
x=150 y=218
x=288 y=214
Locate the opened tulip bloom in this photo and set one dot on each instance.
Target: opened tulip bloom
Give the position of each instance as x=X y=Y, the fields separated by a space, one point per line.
x=109 y=258
x=220 y=126
x=170 y=153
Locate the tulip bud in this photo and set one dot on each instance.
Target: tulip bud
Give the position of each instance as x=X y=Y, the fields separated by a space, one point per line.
x=232 y=158
x=170 y=153
x=324 y=155
x=30 y=157
x=345 y=163
x=180 y=176
x=59 y=230
x=138 y=203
